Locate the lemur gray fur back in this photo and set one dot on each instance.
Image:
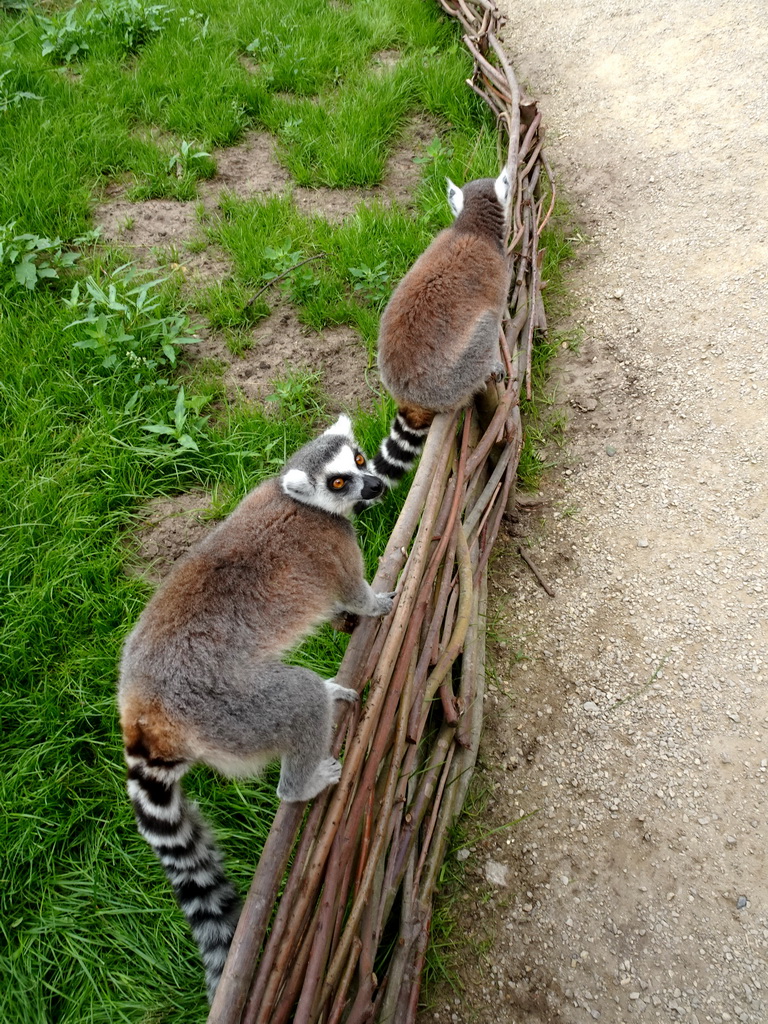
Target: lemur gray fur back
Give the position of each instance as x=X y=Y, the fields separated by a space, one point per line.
x=439 y=335
x=201 y=678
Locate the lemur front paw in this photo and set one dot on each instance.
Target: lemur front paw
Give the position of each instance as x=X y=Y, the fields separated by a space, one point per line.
x=329 y=771
x=498 y=372
x=341 y=692
x=384 y=603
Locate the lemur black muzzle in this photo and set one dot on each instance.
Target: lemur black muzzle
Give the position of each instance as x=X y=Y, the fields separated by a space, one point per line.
x=372 y=487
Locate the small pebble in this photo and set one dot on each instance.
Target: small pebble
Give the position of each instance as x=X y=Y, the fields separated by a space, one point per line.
x=496 y=873
x=741 y=902
x=589 y=705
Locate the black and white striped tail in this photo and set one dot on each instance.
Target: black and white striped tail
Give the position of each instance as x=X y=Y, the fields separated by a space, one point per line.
x=399 y=451
x=175 y=830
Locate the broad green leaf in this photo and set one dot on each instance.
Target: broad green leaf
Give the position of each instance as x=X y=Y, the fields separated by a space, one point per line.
x=26 y=274
x=158 y=428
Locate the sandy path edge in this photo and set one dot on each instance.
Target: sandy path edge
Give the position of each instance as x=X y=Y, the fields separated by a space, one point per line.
x=636 y=725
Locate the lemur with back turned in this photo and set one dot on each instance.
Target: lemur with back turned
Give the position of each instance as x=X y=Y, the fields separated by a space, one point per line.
x=201 y=676
x=439 y=335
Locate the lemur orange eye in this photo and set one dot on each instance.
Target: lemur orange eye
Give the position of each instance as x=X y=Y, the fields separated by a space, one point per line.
x=359 y=459
x=338 y=483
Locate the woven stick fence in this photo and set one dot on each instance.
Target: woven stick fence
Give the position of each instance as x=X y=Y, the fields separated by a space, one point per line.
x=348 y=936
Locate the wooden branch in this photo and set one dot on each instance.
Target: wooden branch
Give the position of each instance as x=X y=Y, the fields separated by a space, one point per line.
x=236 y=978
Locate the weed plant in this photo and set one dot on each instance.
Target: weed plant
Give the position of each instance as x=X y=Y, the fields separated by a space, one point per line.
x=99 y=411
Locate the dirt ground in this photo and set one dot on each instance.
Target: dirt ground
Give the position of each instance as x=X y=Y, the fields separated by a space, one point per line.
x=628 y=714
x=168 y=234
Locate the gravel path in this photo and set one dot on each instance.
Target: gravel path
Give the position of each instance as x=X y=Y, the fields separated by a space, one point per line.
x=636 y=727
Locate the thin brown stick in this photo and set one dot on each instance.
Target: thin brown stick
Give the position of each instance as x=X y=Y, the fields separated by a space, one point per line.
x=490 y=100
x=337 y=963
x=462 y=619
x=284 y=910
x=489 y=438
x=341 y=995
x=514 y=134
x=282 y=993
x=448 y=701
x=469 y=670
x=415 y=816
x=536 y=572
x=525 y=145
x=321 y=942
x=420 y=952
x=551 y=178
x=494 y=526
x=494 y=79
x=471 y=520
x=399 y=960
x=282 y=277
x=233 y=988
x=433 y=816
x=365 y=844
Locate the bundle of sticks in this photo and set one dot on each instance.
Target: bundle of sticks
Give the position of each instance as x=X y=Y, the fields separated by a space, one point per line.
x=347 y=937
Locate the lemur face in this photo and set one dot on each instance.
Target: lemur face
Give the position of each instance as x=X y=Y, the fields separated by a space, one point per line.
x=332 y=473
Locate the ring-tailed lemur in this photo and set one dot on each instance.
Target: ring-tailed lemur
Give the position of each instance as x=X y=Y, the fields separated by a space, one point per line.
x=201 y=678
x=439 y=335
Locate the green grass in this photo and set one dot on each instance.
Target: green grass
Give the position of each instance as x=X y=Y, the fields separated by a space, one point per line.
x=544 y=423
x=451 y=942
x=94 y=421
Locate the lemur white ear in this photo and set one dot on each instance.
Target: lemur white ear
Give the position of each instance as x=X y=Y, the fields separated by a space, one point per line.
x=343 y=426
x=297 y=484
x=455 y=198
x=503 y=188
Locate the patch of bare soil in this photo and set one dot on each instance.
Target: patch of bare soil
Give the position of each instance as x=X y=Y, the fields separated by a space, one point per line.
x=170 y=527
x=154 y=222
x=157 y=231
x=249 y=169
x=252 y=169
x=280 y=344
x=334 y=204
x=250 y=65
x=402 y=174
x=383 y=60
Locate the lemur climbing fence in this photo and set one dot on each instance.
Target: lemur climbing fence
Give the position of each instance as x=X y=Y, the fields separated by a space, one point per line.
x=347 y=938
